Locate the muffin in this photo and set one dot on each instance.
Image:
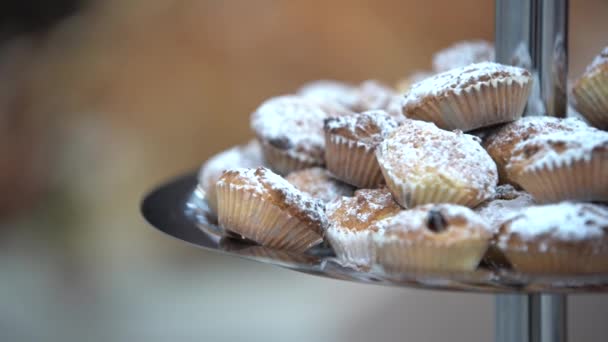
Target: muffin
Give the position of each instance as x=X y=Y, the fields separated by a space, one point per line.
x=441 y=237
x=564 y=238
x=462 y=54
x=471 y=97
x=263 y=207
x=333 y=93
x=246 y=156
x=501 y=143
x=318 y=183
x=561 y=166
x=506 y=203
x=424 y=164
x=290 y=130
x=590 y=92
x=350 y=147
x=350 y=222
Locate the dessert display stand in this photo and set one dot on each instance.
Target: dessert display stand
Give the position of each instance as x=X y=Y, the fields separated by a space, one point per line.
x=529 y=308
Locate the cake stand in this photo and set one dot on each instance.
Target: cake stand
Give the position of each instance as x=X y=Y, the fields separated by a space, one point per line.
x=529 y=308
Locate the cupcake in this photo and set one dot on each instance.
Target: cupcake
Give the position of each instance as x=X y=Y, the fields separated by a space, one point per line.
x=290 y=130
x=564 y=238
x=462 y=54
x=442 y=237
x=506 y=203
x=590 y=92
x=561 y=166
x=263 y=207
x=471 y=97
x=501 y=143
x=318 y=183
x=333 y=94
x=424 y=164
x=351 y=142
x=404 y=84
x=350 y=222
x=245 y=156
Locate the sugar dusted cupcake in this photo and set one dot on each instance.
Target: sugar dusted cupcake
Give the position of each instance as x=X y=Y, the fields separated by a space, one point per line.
x=561 y=166
x=442 y=237
x=506 y=203
x=318 y=183
x=564 y=238
x=471 y=97
x=463 y=53
x=290 y=130
x=351 y=142
x=404 y=84
x=350 y=224
x=424 y=164
x=501 y=143
x=246 y=156
x=590 y=92
x=265 y=208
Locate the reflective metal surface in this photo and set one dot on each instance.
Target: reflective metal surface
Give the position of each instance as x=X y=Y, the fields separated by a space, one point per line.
x=180 y=211
x=534 y=34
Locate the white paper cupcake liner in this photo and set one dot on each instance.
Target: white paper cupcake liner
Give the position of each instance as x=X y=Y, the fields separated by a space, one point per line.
x=352 y=162
x=283 y=163
x=258 y=220
x=400 y=256
x=591 y=99
x=411 y=195
x=352 y=247
x=484 y=105
x=577 y=180
x=574 y=261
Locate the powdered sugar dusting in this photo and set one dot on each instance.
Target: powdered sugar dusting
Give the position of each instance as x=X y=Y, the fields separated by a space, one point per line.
x=465 y=79
x=317 y=183
x=327 y=91
x=507 y=203
x=291 y=123
x=566 y=221
x=247 y=156
x=558 y=148
x=419 y=152
x=263 y=180
x=463 y=53
x=360 y=211
x=371 y=126
x=600 y=59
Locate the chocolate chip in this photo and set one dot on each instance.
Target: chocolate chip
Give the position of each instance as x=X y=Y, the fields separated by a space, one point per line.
x=281 y=143
x=436 y=222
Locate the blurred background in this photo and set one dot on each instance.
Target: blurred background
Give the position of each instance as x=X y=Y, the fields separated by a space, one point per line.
x=101 y=100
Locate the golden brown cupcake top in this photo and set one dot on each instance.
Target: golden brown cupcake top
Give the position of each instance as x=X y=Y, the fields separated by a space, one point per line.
x=506 y=203
x=318 y=183
x=598 y=65
x=368 y=128
x=462 y=54
x=291 y=123
x=243 y=156
x=359 y=212
x=439 y=223
x=500 y=144
x=268 y=186
x=549 y=226
x=460 y=80
x=419 y=153
x=556 y=149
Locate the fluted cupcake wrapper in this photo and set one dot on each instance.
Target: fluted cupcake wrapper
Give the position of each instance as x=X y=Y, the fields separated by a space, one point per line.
x=283 y=163
x=591 y=99
x=578 y=180
x=411 y=195
x=401 y=256
x=352 y=247
x=575 y=261
x=485 y=105
x=352 y=162
x=258 y=220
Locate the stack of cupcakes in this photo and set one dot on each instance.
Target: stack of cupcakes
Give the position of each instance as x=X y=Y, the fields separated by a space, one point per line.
x=401 y=183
